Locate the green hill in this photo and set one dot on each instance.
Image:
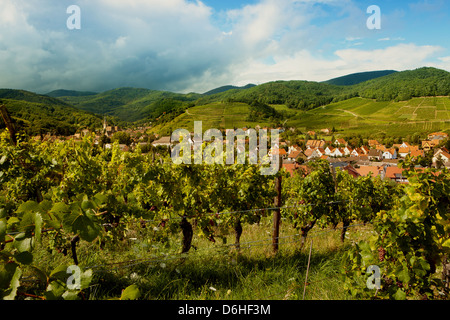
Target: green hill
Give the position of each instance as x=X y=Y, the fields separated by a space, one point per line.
x=398 y=103
x=131 y=104
x=406 y=85
x=359 y=77
x=226 y=88
x=137 y=104
x=36 y=114
x=69 y=93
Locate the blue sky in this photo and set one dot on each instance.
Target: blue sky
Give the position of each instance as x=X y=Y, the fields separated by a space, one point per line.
x=190 y=45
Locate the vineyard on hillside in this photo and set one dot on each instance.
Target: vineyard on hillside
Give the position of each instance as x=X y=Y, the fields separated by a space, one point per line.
x=73 y=192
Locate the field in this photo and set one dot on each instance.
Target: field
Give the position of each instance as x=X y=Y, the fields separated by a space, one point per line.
x=356 y=115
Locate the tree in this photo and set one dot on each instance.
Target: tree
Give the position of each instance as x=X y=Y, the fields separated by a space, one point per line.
x=122 y=137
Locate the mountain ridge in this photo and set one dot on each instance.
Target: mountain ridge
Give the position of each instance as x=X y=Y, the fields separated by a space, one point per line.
x=140 y=105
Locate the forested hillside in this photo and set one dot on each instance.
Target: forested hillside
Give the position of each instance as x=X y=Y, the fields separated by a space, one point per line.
x=38 y=114
x=359 y=77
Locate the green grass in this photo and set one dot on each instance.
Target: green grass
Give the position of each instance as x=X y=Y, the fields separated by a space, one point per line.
x=213 y=270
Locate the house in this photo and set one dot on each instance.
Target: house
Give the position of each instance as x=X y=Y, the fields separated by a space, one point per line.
x=390 y=154
x=365 y=149
x=340 y=142
x=395 y=174
x=338 y=152
x=348 y=151
x=357 y=152
x=329 y=150
x=375 y=154
x=315 y=154
x=442 y=155
x=294 y=155
x=294 y=148
x=292 y=168
x=405 y=149
x=326 y=130
x=321 y=151
x=311 y=133
x=278 y=151
x=374 y=171
x=308 y=152
x=437 y=136
x=428 y=145
x=315 y=144
x=163 y=141
x=352 y=171
x=373 y=143
x=416 y=153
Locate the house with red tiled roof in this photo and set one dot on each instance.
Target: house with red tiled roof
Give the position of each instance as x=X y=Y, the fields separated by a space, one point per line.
x=315 y=144
x=352 y=171
x=338 y=152
x=348 y=151
x=293 y=155
x=405 y=149
x=442 y=155
x=365 y=149
x=390 y=154
x=292 y=168
x=357 y=152
x=340 y=142
x=308 y=152
x=278 y=151
x=380 y=147
x=416 y=153
x=437 y=136
x=428 y=145
x=395 y=174
x=374 y=171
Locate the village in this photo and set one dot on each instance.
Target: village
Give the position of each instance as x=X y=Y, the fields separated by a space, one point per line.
x=373 y=159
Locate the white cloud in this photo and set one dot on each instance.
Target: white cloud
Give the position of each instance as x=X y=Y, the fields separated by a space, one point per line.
x=177 y=45
x=305 y=65
x=391 y=39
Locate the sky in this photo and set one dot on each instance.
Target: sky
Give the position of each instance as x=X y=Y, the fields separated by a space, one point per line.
x=194 y=46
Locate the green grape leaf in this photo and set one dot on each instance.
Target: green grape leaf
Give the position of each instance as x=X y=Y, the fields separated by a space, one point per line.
x=70 y=295
x=86 y=228
x=55 y=290
x=24 y=257
x=400 y=295
x=131 y=293
x=7 y=271
x=22 y=242
x=86 y=278
x=28 y=206
x=59 y=273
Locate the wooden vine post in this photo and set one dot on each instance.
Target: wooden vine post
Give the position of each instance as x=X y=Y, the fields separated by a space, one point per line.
x=8 y=123
x=277 y=212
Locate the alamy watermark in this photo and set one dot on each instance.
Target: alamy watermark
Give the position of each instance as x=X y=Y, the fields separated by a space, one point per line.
x=74 y=20
x=374 y=21
x=374 y=281
x=74 y=281
x=213 y=152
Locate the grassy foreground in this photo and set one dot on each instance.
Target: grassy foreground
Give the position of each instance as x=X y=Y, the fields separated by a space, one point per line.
x=213 y=270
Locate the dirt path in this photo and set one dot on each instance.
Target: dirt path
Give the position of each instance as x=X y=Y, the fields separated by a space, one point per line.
x=352 y=113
